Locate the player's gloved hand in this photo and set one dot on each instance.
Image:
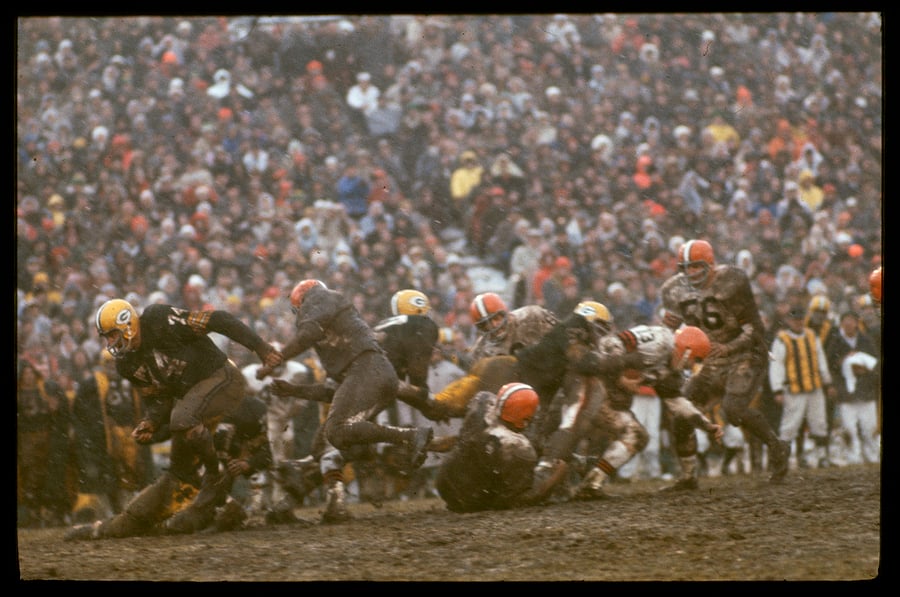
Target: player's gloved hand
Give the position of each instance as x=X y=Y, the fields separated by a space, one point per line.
x=630 y=380
x=717 y=432
x=272 y=358
x=237 y=467
x=282 y=388
x=718 y=351
x=143 y=432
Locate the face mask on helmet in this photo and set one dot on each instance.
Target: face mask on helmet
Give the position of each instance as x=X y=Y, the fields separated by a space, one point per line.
x=118 y=324
x=517 y=403
x=489 y=314
x=597 y=314
x=692 y=345
x=300 y=290
x=696 y=261
x=410 y=302
x=107 y=360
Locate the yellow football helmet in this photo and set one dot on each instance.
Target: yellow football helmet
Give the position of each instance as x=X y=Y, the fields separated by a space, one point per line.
x=118 y=323
x=410 y=302
x=597 y=314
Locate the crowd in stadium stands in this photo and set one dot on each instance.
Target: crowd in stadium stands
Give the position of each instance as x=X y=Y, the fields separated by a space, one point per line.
x=213 y=162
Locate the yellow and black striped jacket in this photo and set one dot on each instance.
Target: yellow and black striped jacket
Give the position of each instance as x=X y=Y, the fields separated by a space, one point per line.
x=802 y=370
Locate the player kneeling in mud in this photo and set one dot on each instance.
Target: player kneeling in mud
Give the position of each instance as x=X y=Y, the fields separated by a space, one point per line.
x=173 y=505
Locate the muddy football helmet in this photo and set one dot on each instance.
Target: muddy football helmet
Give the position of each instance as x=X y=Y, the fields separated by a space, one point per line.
x=517 y=403
x=300 y=291
x=597 y=314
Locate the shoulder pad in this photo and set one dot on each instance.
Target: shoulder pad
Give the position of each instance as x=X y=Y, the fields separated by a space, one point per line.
x=390 y=322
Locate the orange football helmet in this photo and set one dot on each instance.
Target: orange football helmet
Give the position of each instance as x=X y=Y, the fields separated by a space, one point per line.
x=517 y=403
x=300 y=290
x=696 y=261
x=489 y=313
x=692 y=345
x=875 y=285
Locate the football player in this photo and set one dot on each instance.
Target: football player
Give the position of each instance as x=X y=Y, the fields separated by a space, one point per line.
x=718 y=299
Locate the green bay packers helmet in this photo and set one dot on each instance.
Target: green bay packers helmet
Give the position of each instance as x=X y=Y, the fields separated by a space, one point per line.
x=410 y=302
x=597 y=314
x=118 y=323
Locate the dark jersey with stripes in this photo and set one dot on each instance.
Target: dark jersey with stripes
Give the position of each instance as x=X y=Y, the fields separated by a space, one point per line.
x=175 y=351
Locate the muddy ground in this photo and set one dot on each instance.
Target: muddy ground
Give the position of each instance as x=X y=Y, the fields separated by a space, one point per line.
x=820 y=525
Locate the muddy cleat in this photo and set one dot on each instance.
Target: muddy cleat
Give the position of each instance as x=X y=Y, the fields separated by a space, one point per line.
x=418 y=448
x=83 y=532
x=682 y=485
x=298 y=477
x=779 y=462
x=547 y=476
x=277 y=516
x=189 y=520
x=588 y=493
x=582 y=464
x=336 y=504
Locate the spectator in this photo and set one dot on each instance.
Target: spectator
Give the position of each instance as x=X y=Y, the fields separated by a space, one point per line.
x=362 y=99
x=42 y=450
x=854 y=368
x=556 y=298
x=352 y=192
x=463 y=182
x=162 y=105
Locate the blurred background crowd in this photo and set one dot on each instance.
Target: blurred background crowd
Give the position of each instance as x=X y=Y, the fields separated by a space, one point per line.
x=212 y=162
